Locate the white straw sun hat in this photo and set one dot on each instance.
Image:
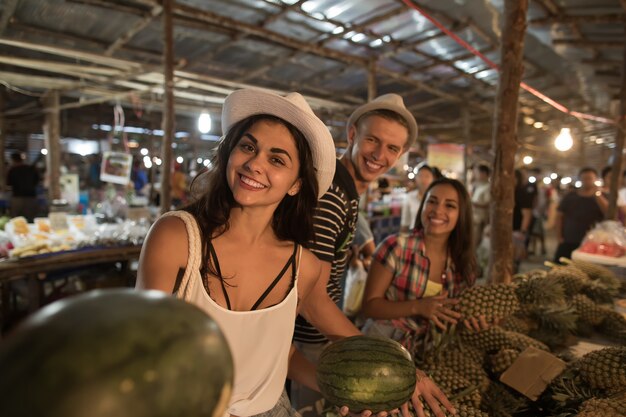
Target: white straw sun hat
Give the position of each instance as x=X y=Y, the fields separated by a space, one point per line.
x=294 y=109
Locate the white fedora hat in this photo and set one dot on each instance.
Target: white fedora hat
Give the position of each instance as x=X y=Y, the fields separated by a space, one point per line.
x=392 y=102
x=294 y=109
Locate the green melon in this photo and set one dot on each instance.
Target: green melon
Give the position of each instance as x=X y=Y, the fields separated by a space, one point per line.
x=366 y=373
x=116 y=353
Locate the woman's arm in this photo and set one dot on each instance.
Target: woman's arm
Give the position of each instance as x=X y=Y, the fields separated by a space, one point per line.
x=374 y=303
x=309 y=274
x=376 y=306
x=301 y=369
x=164 y=252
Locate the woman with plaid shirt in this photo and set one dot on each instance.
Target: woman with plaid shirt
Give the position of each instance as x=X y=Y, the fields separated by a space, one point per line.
x=415 y=278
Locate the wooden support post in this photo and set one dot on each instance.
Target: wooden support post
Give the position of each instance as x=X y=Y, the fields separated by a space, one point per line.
x=168 y=106
x=616 y=171
x=467 y=127
x=3 y=135
x=52 y=135
x=371 y=80
x=504 y=141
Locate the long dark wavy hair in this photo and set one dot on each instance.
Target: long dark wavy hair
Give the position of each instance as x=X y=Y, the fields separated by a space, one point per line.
x=292 y=219
x=461 y=240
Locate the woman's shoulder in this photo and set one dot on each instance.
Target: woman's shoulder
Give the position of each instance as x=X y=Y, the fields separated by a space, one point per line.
x=171 y=223
x=309 y=257
x=170 y=232
x=309 y=263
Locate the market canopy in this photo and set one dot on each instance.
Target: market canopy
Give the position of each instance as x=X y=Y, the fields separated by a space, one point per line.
x=440 y=56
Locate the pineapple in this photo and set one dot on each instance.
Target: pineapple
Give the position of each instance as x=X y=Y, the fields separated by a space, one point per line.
x=517 y=324
x=604 y=369
x=614 y=327
x=556 y=325
x=571 y=278
x=596 y=272
x=588 y=311
x=495 y=338
x=502 y=360
x=501 y=401
x=456 y=387
x=459 y=361
x=461 y=411
x=614 y=406
x=599 y=293
x=492 y=301
x=538 y=290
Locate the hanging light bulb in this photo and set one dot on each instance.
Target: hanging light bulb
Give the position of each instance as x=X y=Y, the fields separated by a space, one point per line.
x=204 y=122
x=527 y=160
x=564 y=141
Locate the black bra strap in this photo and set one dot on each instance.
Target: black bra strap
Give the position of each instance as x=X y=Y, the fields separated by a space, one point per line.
x=219 y=273
x=291 y=261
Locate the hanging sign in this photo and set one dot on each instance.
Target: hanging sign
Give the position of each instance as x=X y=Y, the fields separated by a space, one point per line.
x=446 y=157
x=116 y=167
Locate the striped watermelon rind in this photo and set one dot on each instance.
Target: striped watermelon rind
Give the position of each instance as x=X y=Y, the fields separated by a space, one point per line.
x=366 y=373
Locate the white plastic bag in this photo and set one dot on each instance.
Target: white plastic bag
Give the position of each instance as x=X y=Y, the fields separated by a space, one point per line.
x=355 y=286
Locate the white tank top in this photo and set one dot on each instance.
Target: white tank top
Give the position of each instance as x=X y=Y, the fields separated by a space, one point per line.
x=259 y=340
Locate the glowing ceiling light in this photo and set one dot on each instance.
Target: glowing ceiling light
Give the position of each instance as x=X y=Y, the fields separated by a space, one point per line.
x=527 y=160
x=564 y=141
x=204 y=122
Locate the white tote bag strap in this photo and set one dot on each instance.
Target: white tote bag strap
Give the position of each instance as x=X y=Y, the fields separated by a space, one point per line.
x=192 y=269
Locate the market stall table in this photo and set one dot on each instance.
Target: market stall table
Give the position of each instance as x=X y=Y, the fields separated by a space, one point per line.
x=35 y=269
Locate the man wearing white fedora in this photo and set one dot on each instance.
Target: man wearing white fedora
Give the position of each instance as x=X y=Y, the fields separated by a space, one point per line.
x=378 y=133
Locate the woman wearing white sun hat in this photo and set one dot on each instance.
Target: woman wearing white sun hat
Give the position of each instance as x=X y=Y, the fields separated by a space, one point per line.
x=237 y=250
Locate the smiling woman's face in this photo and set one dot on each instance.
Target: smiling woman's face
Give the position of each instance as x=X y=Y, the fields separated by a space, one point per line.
x=441 y=210
x=264 y=165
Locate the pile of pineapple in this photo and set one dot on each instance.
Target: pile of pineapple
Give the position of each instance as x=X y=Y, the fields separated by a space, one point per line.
x=544 y=309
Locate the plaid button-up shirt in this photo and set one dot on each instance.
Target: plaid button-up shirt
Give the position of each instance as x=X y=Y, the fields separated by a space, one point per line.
x=405 y=256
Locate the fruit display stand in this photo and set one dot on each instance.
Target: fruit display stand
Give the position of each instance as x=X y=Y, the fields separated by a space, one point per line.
x=40 y=265
x=33 y=273
x=45 y=262
x=615 y=264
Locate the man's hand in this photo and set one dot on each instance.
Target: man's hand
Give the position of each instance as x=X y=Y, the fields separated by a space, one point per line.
x=436 y=309
x=427 y=390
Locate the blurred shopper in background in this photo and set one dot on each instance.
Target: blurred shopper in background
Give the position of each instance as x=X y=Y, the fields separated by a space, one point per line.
x=424 y=176
x=23 y=180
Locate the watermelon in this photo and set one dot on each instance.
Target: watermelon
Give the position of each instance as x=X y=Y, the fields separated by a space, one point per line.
x=116 y=353
x=366 y=373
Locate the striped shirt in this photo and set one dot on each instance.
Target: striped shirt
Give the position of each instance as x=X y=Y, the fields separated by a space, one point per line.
x=335 y=225
x=405 y=256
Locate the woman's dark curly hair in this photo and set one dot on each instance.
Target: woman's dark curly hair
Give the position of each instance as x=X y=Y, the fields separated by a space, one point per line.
x=293 y=218
x=460 y=242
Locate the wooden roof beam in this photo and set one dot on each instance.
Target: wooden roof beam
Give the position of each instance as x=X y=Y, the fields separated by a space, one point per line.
x=549 y=6
x=589 y=43
x=567 y=19
x=134 y=29
x=109 y=5
x=427 y=104
x=284 y=9
x=96 y=44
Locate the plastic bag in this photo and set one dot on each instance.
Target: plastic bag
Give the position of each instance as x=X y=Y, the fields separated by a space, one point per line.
x=606 y=238
x=355 y=286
